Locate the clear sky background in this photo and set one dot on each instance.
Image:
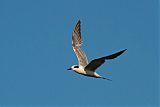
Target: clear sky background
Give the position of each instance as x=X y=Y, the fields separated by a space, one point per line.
x=35 y=51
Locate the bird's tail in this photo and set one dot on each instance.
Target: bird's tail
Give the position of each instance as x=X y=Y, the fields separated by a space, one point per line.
x=106 y=78
x=115 y=54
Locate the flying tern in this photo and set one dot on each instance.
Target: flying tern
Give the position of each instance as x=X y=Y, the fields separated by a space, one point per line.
x=85 y=68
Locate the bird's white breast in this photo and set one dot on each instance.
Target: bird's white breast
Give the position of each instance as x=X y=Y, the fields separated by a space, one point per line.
x=82 y=71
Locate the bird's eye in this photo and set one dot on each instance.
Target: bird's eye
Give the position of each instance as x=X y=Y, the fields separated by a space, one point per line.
x=76 y=66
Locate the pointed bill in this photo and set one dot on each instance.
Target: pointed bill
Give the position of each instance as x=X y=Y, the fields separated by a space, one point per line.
x=76 y=44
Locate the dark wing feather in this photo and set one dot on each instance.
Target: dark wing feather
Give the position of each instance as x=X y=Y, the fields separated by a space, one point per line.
x=94 y=64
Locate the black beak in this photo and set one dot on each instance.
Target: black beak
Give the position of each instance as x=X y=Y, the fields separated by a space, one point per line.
x=69 y=69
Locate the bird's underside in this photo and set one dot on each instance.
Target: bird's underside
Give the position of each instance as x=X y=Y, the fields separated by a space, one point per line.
x=88 y=75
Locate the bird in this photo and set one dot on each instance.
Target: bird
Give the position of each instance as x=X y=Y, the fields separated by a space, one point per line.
x=83 y=67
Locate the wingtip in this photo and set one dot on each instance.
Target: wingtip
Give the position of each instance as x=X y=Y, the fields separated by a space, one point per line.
x=79 y=21
x=123 y=50
x=115 y=55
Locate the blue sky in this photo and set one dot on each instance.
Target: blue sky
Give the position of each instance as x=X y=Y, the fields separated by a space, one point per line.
x=35 y=51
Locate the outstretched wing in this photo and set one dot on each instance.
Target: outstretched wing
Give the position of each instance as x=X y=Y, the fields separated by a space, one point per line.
x=94 y=64
x=76 y=44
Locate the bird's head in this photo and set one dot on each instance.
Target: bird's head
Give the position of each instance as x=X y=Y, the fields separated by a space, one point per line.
x=74 y=67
